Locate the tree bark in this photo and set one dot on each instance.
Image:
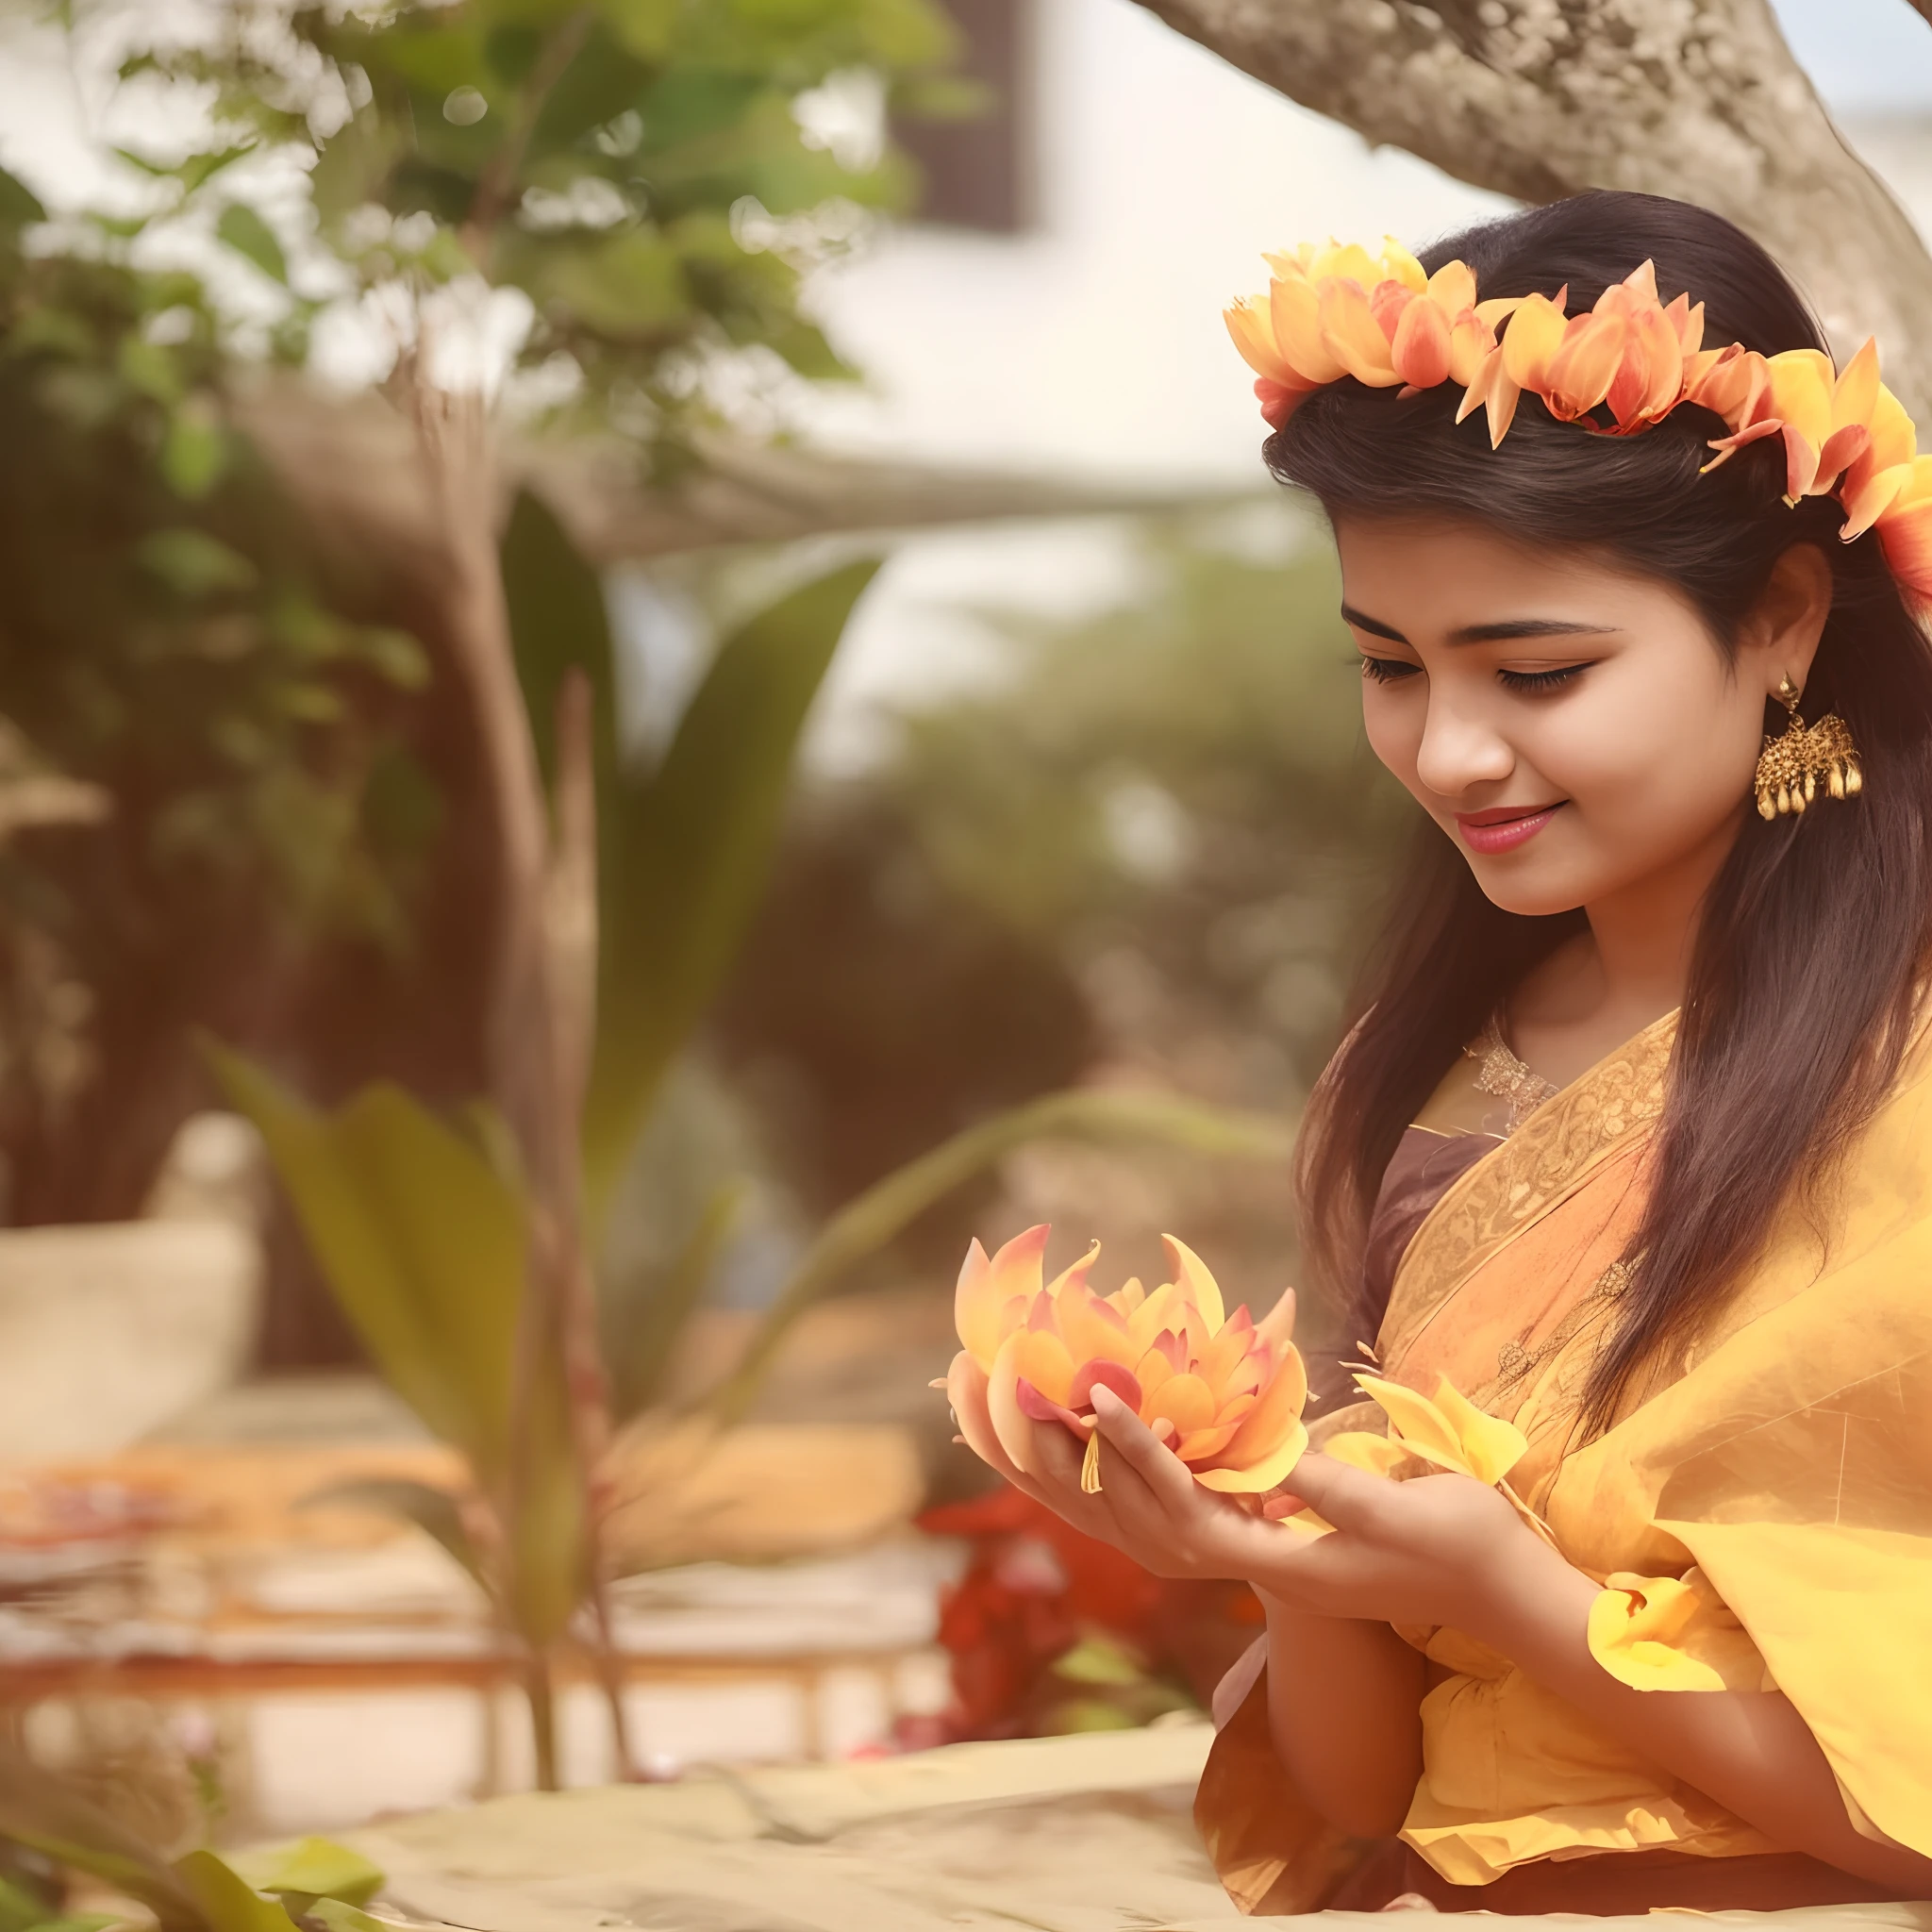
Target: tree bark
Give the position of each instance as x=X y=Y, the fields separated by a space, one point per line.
x=1696 y=99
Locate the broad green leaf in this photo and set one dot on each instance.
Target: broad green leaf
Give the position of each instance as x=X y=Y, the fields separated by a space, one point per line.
x=421 y=1241
x=312 y=1868
x=250 y=238
x=20 y=206
x=430 y=1510
x=558 y=623
x=641 y=1329
x=228 y=1902
x=867 y=1222
x=686 y=852
x=20 y=1911
x=550 y=1545
x=40 y=1810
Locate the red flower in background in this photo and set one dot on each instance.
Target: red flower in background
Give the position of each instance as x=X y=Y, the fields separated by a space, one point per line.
x=1035 y=1587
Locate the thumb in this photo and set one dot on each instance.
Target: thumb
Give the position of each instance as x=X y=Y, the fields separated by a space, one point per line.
x=1349 y=1498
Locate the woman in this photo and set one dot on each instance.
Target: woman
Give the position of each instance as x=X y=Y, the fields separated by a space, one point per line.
x=1632 y=1138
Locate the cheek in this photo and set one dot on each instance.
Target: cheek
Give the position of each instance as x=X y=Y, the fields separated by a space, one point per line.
x=1393 y=720
x=1661 y=758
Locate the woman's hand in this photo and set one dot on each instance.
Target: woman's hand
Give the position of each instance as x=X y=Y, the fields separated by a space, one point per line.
x=1437 y=1549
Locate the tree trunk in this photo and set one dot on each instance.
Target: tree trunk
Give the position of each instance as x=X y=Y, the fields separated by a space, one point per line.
x=1543 y=98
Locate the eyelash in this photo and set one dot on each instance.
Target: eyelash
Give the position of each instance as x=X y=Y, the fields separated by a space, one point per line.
x=1539 y=680
x=1387 y=670
x=1393 y=669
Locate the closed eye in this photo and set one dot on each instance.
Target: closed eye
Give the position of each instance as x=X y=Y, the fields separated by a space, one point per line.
x=1530 y=681
x=1388 y=670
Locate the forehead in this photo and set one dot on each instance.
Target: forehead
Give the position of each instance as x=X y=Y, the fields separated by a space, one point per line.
x=1443 y=573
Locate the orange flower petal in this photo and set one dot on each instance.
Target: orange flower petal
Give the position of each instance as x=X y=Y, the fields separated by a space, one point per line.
x=1193 y=1281
x=1199 y=1444
x=1584 y=365
x=1352 y=335
x=1043 y=1359
x=1248 y=324
x=1451 y=288
x=1294 y=310
x=1234 y=1478
x=1187 y=1402
x=1077 y=1275
x=1421 y=348
x=1534 y=336
x=966 y=1390
x=1855 y=395
x=983 y=1301
x=1906 y=535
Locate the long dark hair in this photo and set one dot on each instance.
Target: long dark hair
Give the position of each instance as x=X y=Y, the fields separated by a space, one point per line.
x=1813 y=936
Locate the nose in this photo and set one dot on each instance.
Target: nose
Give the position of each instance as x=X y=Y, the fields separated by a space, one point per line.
x=1461 y=748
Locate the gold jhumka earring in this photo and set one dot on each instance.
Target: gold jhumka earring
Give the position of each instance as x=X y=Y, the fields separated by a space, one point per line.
x=1791 y=764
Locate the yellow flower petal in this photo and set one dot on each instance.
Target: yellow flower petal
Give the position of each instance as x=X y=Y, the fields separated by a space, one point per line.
x=1667 y=1633
x=1491 y=1447
x=1268 y=1472
x=1190 y=1276
x=983 y=1301
x=1352 y=335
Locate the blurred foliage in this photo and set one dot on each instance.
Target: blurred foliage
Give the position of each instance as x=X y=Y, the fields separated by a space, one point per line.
x=653 y=175
x=651 y=180
x=1179 y=779
x=165 y=636
x=313 y=1884
x=423 y=1229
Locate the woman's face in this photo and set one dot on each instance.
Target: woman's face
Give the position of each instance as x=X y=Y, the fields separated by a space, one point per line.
x=1570 y=725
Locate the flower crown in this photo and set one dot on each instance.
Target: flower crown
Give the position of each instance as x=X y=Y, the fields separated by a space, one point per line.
x=1337 y=312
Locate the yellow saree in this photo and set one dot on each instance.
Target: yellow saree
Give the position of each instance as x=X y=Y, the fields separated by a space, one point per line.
x=1761 y=1512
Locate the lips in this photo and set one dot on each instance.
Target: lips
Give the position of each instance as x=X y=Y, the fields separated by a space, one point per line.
x=1503 y=827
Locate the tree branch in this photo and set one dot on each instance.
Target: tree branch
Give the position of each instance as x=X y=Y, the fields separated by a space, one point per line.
x=1543 y=98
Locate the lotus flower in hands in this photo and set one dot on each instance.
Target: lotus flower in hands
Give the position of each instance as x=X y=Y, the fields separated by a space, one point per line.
x=1224 y=1392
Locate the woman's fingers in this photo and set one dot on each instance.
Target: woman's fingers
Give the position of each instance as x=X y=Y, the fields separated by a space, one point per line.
x=1165 y=1474
x=1349 y=1498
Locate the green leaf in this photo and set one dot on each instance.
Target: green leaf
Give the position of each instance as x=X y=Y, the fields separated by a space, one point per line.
x=40 y=1810
x=641 y=1331
x=558 y=623
x=20 y=207
x=250 y=238
x=194 y=453
x=421 y=1236
x=198 y=169
x=148 y=367
x=430 y=1510
x=193 y=564
x=21 y=1910
x=867 y=1221
x=1098 y=1660
x=629 y=283
x=312 y=1868
x=644 y=27
x=228 y=1902
x=684 y=854
x=421 y=1241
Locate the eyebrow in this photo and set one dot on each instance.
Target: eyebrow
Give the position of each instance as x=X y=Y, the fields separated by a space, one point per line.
x=1485 y=633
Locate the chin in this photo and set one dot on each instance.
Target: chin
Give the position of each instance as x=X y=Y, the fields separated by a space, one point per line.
x=1532 y=890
